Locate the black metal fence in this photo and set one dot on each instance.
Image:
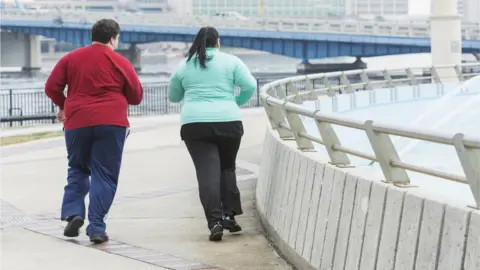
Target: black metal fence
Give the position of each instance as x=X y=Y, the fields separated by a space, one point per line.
x=30 y=106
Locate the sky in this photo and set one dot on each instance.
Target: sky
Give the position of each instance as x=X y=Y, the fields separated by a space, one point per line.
x=419 y=6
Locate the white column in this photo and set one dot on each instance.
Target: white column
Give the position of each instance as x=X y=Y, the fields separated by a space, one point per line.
x=446 y=38
x=51 y=47
x=33 y=54
x=136 y=54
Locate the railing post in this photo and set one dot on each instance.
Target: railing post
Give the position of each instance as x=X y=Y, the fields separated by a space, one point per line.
x=297 y=127
x=10 y=110
x=385 y=153
x=470 y=161
x=330 y=139
x=311 y=90
x=293 y=90
x=411 y=77
x=258 y=93
x=434 y=75
x=166 y=100
x=295 y=122
x=459 y=71
x=365 y=80
x=277 y=117
x=344 y=81
x=328 y=86
x=388 y=78
x=52 y=107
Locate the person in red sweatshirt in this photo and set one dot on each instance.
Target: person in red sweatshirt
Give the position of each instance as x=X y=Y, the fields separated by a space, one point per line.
x=101 y=85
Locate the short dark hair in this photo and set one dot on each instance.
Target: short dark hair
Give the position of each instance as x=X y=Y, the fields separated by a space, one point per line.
x=104 y=29
x=207 y=37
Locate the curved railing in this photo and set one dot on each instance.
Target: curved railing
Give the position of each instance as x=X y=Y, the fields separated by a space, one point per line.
x=418 y=28
x=283 y=100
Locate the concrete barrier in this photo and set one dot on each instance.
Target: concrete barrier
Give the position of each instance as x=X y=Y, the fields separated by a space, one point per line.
x=323 y=217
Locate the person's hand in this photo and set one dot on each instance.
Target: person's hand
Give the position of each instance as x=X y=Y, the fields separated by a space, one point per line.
x=61 y=116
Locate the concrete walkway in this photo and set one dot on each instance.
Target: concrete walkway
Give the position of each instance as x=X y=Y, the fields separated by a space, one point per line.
x=157 y=221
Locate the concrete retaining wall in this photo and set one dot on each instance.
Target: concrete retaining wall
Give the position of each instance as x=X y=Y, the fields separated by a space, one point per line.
x=323 y=217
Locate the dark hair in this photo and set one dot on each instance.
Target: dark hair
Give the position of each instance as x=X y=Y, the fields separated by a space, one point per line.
x=207 y=37
x=104 y=30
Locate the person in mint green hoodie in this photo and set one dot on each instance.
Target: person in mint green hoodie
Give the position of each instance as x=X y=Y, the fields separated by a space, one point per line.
x=211 y=124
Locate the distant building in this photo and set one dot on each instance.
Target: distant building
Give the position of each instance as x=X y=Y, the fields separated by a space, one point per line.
x=470 y=10
x=376 y=7
x=98 y=5
x=270 y=8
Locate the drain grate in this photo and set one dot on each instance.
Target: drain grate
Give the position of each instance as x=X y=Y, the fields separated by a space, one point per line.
x=11 y=217
x=163 y=260
x=13 y=222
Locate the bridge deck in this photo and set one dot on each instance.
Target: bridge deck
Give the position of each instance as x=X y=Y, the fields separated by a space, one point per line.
x=157 y=221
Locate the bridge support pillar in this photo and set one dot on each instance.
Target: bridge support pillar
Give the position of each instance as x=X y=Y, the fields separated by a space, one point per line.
x=51 y=47
x=477 y=56
x=20 y=50
x=446 y=38
x=134 y=55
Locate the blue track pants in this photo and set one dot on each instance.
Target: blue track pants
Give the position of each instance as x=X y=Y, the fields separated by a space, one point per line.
x=95 y=153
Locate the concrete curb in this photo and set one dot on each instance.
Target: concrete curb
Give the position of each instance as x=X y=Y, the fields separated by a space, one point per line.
x=284 y=249
x=323 y=217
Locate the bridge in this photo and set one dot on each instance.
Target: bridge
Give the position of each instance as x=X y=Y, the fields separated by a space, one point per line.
x=317 y=205
x=302 y=39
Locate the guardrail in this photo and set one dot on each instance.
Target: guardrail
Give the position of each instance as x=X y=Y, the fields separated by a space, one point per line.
x=418 y=28
x=285 y=112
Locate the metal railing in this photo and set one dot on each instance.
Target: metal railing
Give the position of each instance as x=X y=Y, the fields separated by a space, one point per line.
x=283 y=101
x=30 y=106
x=401 y=28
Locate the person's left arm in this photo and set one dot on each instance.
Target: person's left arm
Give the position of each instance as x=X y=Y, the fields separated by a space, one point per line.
x=56 y=82
x=176 y=91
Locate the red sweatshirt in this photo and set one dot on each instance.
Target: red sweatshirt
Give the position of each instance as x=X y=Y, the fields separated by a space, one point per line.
x=101 y=84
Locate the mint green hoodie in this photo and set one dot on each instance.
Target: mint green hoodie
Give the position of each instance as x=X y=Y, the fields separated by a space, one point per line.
x=208 y=94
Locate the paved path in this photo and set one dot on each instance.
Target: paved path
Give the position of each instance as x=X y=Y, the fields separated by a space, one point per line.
x=156 y=222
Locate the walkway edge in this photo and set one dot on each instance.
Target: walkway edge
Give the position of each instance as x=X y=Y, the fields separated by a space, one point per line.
x=282 y=247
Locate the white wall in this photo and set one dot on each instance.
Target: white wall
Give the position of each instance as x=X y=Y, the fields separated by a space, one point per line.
x=323 y=217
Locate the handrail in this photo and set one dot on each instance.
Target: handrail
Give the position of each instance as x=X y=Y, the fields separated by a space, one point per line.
x=400 y=28
x=283 y=100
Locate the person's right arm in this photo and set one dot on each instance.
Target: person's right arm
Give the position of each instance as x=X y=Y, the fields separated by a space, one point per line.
x=245 y=81
x=175 y=91
x=132 y=89
x=56 y=82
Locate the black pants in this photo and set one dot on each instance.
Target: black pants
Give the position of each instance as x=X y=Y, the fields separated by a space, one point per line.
x=214 y=159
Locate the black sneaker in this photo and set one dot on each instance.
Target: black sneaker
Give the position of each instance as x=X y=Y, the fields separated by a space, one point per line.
x=74 y=224
x=216 y=233
x=230 y=224
x=98 y=239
